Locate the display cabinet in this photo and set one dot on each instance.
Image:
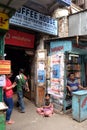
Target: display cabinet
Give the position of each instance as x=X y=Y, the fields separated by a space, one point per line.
x=73 y=65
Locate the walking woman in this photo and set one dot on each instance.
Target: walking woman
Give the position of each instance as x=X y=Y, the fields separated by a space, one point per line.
x=8 y=98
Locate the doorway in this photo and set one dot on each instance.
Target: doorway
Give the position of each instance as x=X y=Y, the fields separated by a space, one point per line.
x=19 y=59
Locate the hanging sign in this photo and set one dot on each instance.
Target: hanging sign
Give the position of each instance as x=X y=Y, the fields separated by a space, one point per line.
x=4 y=21
x=5 y=67
x=18 y=38
x=65 y=2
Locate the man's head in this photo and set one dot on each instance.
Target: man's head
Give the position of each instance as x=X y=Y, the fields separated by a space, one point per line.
x=72 y=76
x=21 y=71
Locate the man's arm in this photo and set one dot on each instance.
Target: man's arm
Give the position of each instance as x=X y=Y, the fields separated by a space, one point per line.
x=27 y=86
x=69 y=89
x=9 y=87
x=82 y=88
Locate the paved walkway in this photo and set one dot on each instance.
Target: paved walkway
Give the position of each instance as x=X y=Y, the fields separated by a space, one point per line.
x=32 y=121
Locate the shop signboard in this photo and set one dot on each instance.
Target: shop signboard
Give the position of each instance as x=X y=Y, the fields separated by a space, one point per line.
x=5 y=67
x=65 y=2
x=32 y=19
x=4 y=21
x=18 y=38
x=60 y=46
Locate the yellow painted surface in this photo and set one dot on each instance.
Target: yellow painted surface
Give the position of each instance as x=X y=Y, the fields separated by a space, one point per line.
x=4 y=21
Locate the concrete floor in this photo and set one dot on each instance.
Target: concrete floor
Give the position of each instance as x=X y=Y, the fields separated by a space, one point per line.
x=32 y=121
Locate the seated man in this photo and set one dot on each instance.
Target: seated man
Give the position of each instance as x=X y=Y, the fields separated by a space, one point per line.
x=73 y=84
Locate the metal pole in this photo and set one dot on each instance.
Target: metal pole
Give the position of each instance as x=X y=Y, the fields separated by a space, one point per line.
x=1 y=57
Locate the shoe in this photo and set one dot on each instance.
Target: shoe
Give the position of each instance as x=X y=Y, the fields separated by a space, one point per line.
x=22 y=111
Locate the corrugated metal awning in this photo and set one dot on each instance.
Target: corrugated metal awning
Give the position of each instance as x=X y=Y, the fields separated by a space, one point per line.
x=10 y=6
x=42 y=6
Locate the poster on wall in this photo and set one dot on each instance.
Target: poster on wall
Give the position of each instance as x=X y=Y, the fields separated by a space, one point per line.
x=57 y=75
x=41 y=76
x=56 y=71
x=41 y=72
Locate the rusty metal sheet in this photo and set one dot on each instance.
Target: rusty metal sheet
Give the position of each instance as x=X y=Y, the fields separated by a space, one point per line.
x=78 y=24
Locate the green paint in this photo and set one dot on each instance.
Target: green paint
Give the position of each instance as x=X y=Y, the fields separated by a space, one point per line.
x=2 y=121
x=1 y=46
x=0 y=94
x=1 y=57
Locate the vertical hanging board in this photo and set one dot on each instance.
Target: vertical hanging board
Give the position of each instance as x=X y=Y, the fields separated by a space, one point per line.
x=5 y=67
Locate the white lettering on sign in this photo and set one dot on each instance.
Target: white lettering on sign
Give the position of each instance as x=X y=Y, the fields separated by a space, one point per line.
x=26 y=17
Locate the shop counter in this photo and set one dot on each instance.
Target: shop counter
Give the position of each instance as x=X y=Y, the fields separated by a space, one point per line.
x=79 y=105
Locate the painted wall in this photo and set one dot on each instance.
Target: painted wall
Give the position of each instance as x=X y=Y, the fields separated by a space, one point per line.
x=60 y=46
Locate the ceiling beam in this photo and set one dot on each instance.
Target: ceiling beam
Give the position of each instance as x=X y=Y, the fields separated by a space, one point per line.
x=10 y=10
x=6 y=7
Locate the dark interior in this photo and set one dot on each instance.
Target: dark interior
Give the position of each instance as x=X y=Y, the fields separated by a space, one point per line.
x=19 y=59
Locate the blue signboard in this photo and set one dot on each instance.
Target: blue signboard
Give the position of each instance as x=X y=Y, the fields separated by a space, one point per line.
x=65 y=2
